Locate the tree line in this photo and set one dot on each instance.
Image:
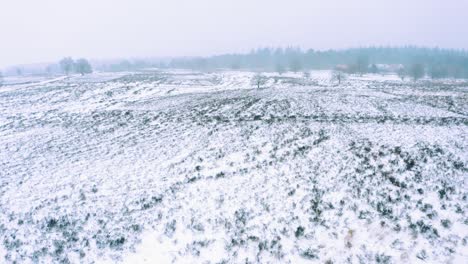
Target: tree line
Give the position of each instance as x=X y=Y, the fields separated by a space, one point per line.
x=410 y=61
x=406 y=61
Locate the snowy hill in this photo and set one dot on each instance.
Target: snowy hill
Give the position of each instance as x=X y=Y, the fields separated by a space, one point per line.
x=191 y=167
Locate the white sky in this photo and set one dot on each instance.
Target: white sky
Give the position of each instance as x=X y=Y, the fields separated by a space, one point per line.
x=46 y=30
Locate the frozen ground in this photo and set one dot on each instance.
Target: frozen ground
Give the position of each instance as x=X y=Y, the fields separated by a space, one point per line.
x=161 y=167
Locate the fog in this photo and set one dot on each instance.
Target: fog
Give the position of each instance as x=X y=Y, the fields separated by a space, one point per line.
x=41 y=31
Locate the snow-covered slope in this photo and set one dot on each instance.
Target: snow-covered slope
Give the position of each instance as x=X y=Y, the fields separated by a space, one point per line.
x=161 y=167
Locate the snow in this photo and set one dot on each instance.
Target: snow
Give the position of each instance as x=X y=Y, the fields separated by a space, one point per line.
x=190 y=167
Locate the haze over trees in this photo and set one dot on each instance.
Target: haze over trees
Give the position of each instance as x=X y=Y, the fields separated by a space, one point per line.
x=280 y=68
x=362 y=64
x=49 y=69
x=441 y=63
x=434 y=63
x=81 y=66
x=295 y=65
x=66 y=64
x=417 y=71
x=402 y=72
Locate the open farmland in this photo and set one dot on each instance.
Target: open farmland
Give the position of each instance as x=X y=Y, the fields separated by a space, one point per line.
x=192 y=167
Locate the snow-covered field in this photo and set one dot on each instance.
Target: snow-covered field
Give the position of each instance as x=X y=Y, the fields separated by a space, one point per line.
x=184 y=167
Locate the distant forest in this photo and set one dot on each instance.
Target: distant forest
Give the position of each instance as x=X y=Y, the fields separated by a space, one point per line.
x=438 y=63
x=415 y=62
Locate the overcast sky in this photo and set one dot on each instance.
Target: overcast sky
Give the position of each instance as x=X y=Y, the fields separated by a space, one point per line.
x=45 y=30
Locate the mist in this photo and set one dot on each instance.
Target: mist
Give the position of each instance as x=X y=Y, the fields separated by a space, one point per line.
x=43 y=31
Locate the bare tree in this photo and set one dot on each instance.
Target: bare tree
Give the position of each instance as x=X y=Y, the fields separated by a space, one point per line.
x=19 y=71
x=338 y=76
x=66 y=64
x=1 y=79
x=83 y=67
x=306 y=74
x=279 y=68
x=402 y=73
x=259 y=80
x=417 y=71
